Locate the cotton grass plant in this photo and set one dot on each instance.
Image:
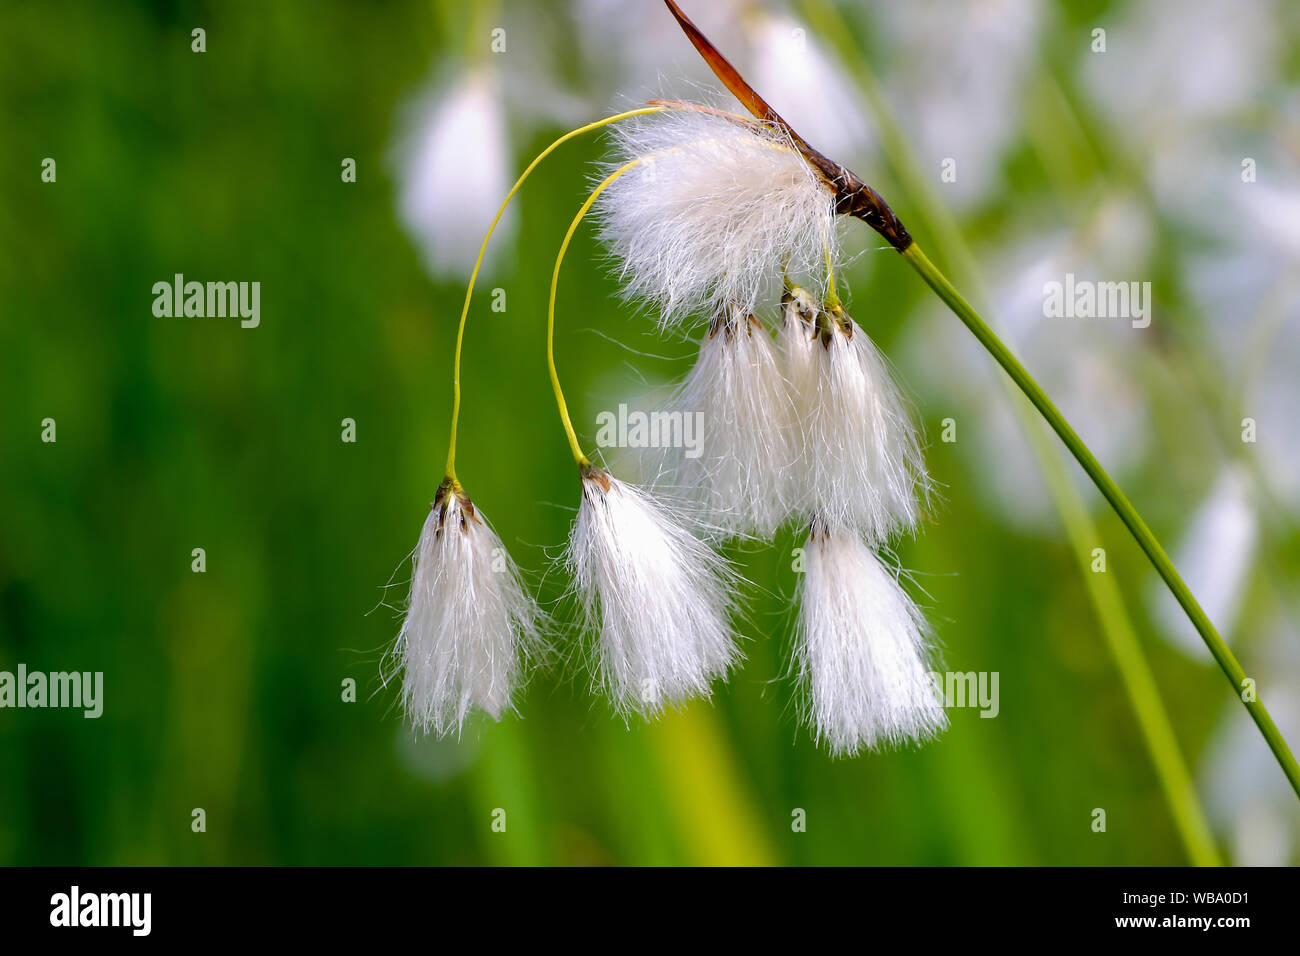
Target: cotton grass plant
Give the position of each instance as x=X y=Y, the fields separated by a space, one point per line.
x=711 y=216
x=739 y=477
x=470 y=623
x=657 y=598
x=719 y=208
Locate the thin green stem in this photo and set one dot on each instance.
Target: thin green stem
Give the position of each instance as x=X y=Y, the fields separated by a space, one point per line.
x=579 y=458
x=473 y=276
x=1116 y=626
x=1146 y=540
x=560 y=404
x=1121 y=639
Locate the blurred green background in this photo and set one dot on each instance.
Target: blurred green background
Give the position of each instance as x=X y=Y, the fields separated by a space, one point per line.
x=223 y=690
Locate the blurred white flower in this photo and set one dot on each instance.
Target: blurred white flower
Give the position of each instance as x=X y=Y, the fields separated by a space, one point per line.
x=863 y=656
x=627 y=43
x=1272 y=395
x=1170 y=64
x=469 y=623
x=658 y=598
x=1247 y=795
x=714 y=215
x=1214 y=557
x=1246 y=285
x=958 y=70
x=628 y=47
x=1184 y=83
x=1090 y=367
x=806 y=87
x=454 y=172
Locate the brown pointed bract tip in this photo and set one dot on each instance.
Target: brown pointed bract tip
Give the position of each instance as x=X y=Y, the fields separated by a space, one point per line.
x=853 y=197
x=450 y=488
x=594 y=473
x=728 y=74
x=730 y=319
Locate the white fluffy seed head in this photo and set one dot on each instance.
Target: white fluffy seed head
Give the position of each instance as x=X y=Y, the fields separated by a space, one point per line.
x=797 y=343
x=469 y=622
x=863 y=659
x=713 y=215
x=658 y=598
x=737 y=472
x=863 y=469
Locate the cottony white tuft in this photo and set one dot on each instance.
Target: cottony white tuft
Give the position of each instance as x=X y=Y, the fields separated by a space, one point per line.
x=469 y=621
x=657 y=596
x=798 y=345
x=863 y=469
x=863 y=658
x=738 y=474
x=716 y=211
x=446 y=203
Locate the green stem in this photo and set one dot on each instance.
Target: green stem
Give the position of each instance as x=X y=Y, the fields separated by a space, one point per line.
x=1227 y=661
x=478 y=262
x=1116 y=626
x=560 y=404
x=1134 y=671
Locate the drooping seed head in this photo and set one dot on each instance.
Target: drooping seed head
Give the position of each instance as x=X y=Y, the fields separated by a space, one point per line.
x=863 y=657
x=713 y=215
x=657 y=598
x=469 y=623
x=735 y=477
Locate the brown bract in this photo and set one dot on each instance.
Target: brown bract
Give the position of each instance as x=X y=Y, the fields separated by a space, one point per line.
x=449 y=489
x=853 y=197
x=600 y=476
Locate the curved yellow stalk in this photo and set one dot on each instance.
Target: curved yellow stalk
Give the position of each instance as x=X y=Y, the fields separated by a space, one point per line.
x=579 y=458
x=560 y=403
x=473 y=276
